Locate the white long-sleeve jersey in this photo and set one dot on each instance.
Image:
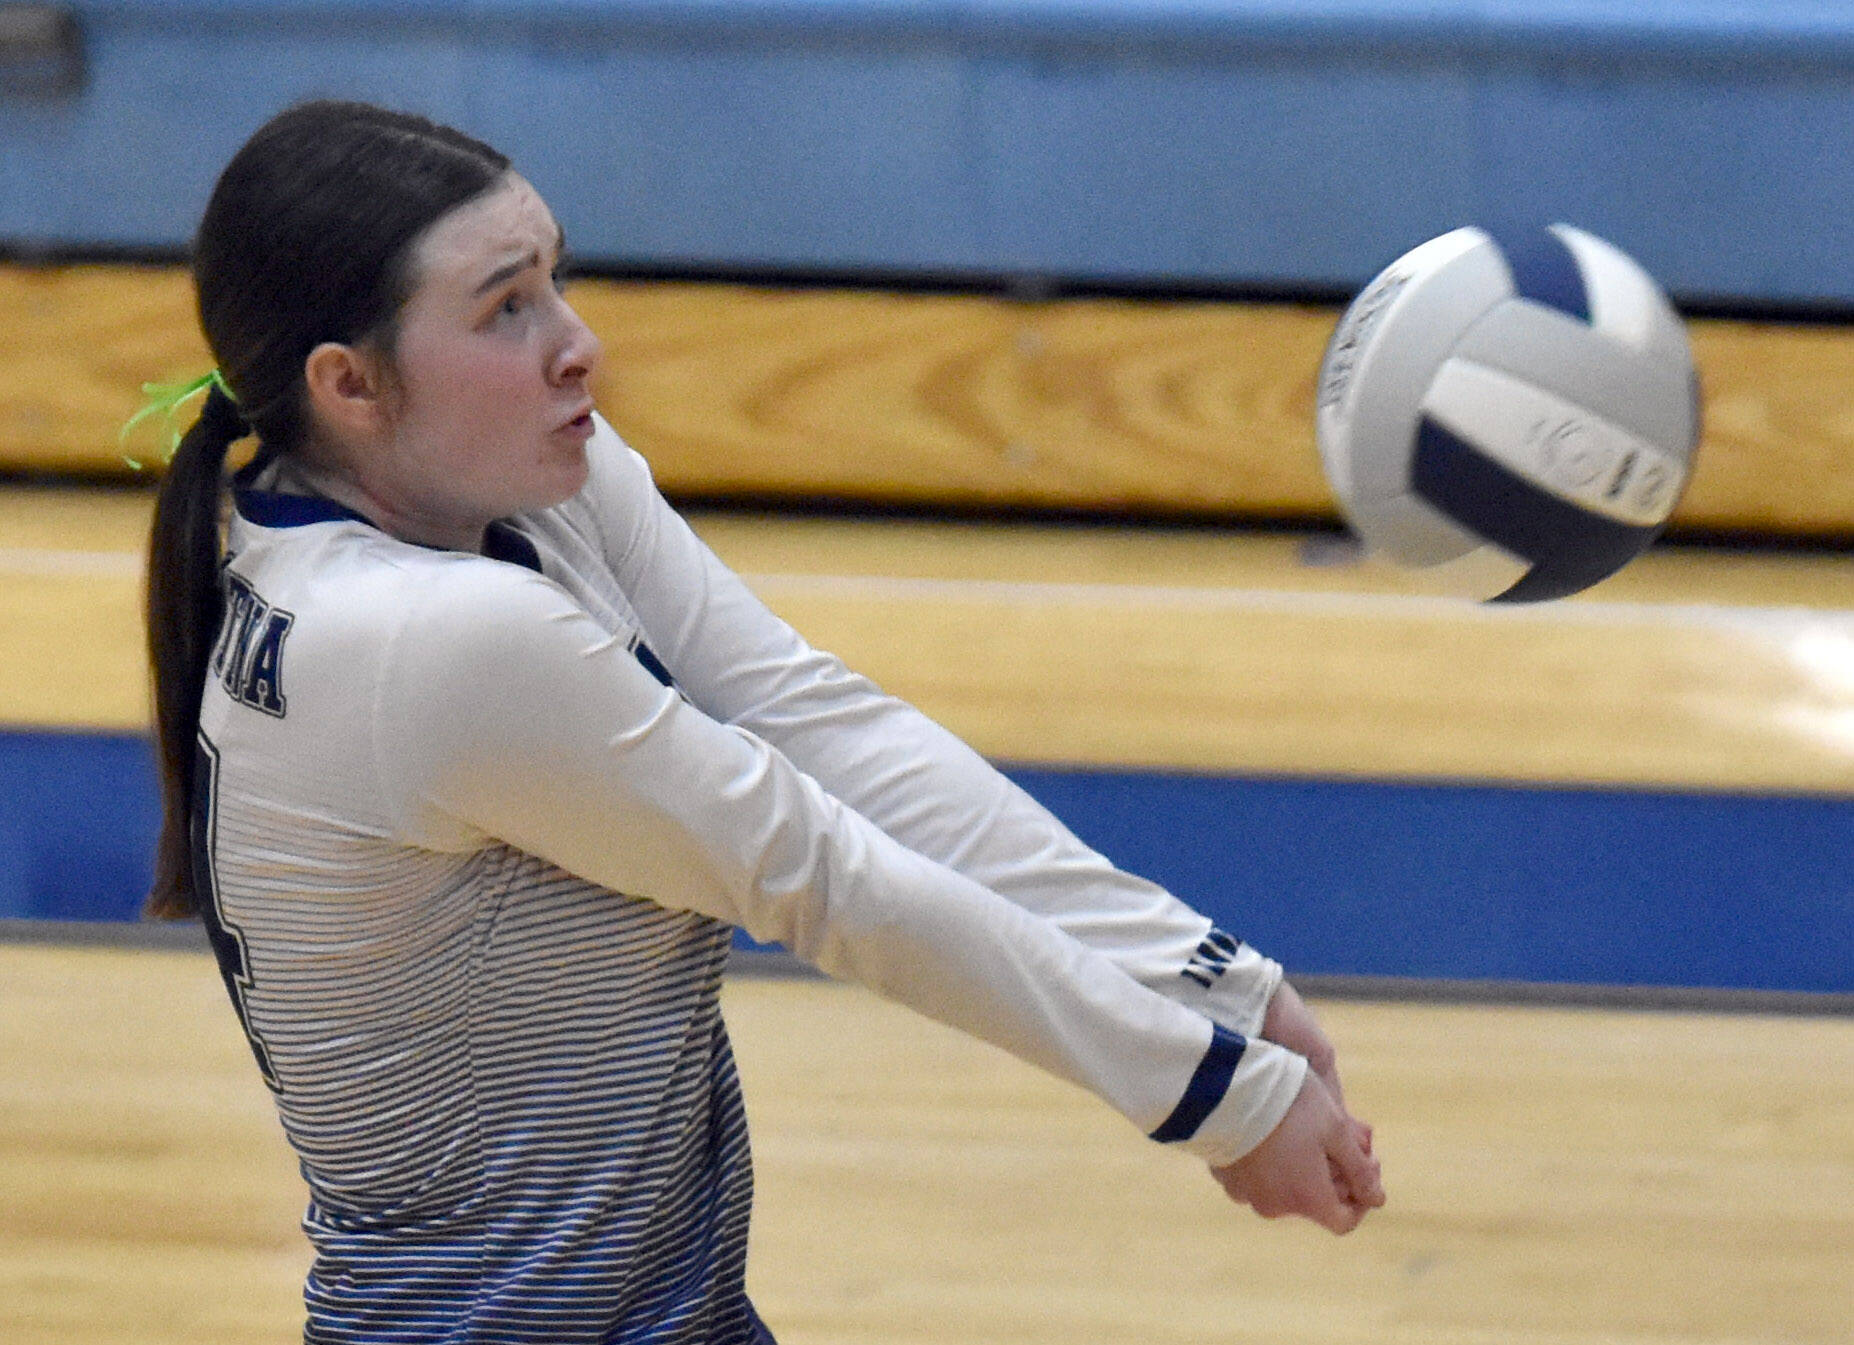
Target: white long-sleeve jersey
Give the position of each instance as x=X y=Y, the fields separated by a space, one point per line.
x=474 y=832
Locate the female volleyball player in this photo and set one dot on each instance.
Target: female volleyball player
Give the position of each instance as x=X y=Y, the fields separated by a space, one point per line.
x=473 y=755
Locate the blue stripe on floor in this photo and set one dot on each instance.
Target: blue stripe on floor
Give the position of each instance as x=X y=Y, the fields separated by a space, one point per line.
x=1586 y=886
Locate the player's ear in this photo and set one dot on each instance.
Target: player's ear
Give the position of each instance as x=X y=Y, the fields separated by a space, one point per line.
x=347 y=392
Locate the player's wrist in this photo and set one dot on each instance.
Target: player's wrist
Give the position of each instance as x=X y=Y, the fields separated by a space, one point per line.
x=1240 y=997
x=1260 y=1095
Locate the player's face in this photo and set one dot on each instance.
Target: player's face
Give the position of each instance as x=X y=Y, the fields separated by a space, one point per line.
x=491 y=407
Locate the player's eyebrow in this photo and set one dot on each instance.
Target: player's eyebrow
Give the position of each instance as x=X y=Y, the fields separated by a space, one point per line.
x=510 y=270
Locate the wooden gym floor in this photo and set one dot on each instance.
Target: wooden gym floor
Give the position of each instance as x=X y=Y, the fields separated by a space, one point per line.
x=1557 y=1177
x=1193 y=649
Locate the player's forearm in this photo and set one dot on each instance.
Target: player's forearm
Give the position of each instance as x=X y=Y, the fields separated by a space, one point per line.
x=921 y=785
x=927 y=937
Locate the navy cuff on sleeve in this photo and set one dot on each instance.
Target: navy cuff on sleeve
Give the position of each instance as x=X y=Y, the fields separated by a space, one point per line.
x=1207 y=1086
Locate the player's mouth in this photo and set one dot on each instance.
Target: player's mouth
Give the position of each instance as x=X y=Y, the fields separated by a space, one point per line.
x=580 y=426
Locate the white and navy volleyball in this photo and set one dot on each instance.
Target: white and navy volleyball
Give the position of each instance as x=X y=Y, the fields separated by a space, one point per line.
x=1514 y=411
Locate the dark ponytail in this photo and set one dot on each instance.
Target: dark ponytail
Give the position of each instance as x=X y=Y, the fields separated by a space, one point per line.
x=183 y=620
x=308 y=238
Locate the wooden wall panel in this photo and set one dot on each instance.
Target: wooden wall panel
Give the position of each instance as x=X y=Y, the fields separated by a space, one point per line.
x=958 y=399
x=78 y=344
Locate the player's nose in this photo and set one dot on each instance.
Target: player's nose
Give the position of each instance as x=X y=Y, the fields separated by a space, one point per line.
x=579 y=352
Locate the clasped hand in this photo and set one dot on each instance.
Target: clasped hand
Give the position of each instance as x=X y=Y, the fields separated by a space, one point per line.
x=1317 y=1162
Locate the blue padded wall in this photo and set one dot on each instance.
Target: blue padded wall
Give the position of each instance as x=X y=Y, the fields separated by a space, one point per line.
x=1455 y=882
x=78 y=817
x=1280 y=144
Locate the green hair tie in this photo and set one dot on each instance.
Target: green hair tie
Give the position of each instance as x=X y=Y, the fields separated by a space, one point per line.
x=165 y=400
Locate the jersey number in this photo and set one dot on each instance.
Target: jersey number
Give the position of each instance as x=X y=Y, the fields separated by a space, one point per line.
x=228 y=940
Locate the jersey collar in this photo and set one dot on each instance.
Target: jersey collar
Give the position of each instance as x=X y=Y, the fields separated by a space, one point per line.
x=273 y=509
